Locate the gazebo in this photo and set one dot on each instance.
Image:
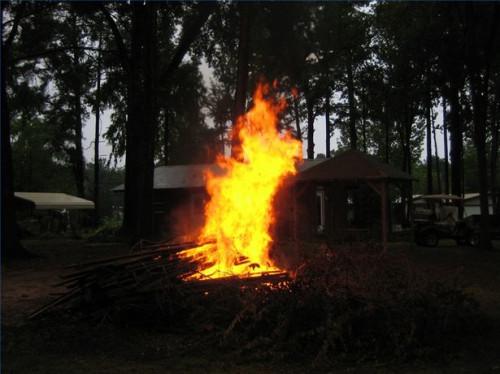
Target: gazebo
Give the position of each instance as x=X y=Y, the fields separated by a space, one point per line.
x=352 y=196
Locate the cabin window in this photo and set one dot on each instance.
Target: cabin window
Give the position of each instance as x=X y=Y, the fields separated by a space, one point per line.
x=320 y=210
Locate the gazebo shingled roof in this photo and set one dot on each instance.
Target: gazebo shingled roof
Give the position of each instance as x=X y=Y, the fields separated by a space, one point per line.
x=353 y=165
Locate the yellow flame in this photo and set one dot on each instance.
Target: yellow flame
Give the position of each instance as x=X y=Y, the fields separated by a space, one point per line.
x=239 y=213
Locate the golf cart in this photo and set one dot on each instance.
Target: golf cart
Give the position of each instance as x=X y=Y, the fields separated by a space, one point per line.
x=436 y=217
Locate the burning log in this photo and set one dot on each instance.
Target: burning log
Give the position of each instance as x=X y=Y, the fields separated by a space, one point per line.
x=146 y=251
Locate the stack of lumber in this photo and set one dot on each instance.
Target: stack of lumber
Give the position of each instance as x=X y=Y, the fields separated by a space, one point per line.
x=149 y=269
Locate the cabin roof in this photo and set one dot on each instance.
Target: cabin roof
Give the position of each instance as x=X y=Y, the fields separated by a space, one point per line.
x=348 y=165
x=193 y=176
x=179 y=176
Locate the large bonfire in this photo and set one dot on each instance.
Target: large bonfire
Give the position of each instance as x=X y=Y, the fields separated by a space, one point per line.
x=239 y=212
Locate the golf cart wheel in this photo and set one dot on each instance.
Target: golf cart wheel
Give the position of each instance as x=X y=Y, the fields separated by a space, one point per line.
x=473 y=239
x=430 y=239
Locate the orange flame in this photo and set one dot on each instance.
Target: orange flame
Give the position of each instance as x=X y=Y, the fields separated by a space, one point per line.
x=239 y=213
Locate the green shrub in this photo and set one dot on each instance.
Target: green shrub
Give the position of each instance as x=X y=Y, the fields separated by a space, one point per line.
x=107 y=231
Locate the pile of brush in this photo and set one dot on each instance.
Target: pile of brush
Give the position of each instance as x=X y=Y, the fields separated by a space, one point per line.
x=151 y=271
x=349 y=305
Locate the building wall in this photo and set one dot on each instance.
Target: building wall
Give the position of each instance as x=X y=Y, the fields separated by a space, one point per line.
x=178 y=212
x=471 y=207
x=470 y=210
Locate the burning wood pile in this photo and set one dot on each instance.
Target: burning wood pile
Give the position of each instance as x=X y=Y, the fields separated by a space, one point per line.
x=232 y=247
x=157 y=268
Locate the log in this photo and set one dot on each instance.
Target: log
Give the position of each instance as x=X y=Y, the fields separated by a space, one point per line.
x=156 y=268
x=54 y=303
x=173 y=249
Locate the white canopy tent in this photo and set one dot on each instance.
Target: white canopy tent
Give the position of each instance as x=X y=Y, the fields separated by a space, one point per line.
x=54 y=200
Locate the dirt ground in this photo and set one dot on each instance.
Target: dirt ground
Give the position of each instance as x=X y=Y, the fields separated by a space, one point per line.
x=69 y=345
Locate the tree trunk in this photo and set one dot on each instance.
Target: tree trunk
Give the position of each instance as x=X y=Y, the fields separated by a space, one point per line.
x=494 y=167
x=11 y=245
x=405 y=134
x=310 y=128
x=165 y=136
x=327 y=123
x=297 y=118
x=480 y=141
x=445 y=140
x=409 y=122
x=456 y=141
x=134 y=184
x=436 y=157
x=353 y=136
x=479 y=57
x=428 y=137
x=406 y=139
x=495 y=129
x=495 y=133
x=242 y=77
x=386 y=133
x=76 y=156
x=150 y=117
x=402 y=137
x=479 y=113
x=363 y=124
x=96 y=140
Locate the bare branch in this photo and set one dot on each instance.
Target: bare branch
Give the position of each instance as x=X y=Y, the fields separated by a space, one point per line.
x=122 y=50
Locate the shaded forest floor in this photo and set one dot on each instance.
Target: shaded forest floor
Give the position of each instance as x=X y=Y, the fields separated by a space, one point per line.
x=62 y=344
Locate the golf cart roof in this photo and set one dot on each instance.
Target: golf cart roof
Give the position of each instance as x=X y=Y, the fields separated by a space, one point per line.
x=437 y=197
